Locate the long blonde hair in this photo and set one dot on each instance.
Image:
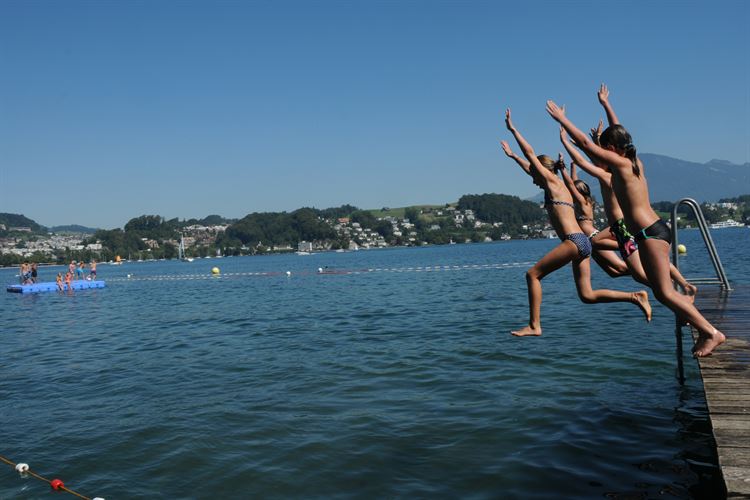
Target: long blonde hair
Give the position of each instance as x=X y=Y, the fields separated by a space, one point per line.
x=548 y=163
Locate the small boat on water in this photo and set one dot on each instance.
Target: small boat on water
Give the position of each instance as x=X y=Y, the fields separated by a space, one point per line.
x=725 y=224
x=181 y=251
x=51 y=286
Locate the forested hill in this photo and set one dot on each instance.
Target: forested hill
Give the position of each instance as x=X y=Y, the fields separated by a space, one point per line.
x=73 y=228
x=18 y=220
x=501 y=208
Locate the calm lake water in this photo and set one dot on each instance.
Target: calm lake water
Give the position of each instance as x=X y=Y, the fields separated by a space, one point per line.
x=392 y=381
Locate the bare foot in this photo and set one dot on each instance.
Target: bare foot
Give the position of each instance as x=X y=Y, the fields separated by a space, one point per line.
x=641 y=300
x=706 y=344
x=527 y=331
x=690 y=291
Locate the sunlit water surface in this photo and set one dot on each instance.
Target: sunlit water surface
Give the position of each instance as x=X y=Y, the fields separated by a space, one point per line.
x=396 y=380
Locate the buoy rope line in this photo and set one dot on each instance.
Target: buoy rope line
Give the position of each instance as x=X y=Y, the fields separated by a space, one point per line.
x=321 y=271
x=56 y=484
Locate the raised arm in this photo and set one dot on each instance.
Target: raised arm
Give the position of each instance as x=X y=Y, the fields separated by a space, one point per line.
x=527 y=150
x=596 y=133
x=579 y=160
x=594 y=151
x=603 y=96
x=570 y=184
x=525 y=165
x=573 y=172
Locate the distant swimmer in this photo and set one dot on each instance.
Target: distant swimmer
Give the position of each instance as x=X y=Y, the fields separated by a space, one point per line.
x=575 y=246
x=25 y=274
x=59 y=282
x=651 y=233
x=92 y=269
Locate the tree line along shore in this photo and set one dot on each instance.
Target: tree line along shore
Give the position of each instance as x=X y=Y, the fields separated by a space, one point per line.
x=474 y=218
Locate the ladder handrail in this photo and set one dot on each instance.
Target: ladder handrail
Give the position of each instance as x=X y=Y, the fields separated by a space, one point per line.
x=721 y=276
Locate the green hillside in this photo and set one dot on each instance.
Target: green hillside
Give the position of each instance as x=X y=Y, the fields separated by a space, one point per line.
x=400 y=211
x=18 y=220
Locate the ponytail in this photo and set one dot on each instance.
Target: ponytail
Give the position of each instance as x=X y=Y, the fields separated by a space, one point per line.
x=630 y=153
x=617 y=136
x=585 y=191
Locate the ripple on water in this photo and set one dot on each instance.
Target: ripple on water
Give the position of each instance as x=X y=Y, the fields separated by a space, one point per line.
x=381 y=384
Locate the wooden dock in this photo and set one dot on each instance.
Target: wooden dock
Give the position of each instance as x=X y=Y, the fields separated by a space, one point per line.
x=726 y=380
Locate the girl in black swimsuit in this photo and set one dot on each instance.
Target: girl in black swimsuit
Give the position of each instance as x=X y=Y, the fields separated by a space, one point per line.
x=575 y=247
x=619 y=155
x=617 y=237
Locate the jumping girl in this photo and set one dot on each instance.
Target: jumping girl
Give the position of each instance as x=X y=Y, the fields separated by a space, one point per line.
x=617 y=231
x=651 y=233
x=575 y=246
x=603 y=252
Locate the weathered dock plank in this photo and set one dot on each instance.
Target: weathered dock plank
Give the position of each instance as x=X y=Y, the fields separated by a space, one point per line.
x=726 y=381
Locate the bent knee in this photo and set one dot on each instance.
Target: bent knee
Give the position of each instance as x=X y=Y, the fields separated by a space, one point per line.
x=616 y=272
x=533 y=275
x=587 y=297
x=667 y=296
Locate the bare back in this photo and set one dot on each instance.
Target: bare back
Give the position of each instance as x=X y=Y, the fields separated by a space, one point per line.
x=631 y=191
x=562 y=217
x=585 y=218
x=609 y=200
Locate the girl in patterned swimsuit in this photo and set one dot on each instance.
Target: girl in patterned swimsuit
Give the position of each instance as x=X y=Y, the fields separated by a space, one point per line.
x=651 y=233
x=575 y=246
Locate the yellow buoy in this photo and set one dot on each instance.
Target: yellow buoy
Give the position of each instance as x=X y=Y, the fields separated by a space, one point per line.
x=681 y=248
x=215 y=271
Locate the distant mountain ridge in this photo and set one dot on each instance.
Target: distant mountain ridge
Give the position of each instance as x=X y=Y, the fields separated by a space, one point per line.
x=73 y=228
x=670 y=179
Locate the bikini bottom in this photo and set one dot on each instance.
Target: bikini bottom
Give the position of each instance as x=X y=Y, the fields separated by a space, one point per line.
x=659 y=230
x=581 y=242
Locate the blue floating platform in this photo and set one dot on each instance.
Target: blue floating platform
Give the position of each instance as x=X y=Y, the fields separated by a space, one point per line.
x=51 y=286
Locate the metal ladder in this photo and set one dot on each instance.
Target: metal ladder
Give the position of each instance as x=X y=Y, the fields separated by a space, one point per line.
x=721 y=276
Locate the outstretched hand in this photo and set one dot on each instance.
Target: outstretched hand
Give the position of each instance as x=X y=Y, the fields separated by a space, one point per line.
x=506 y=149
x=603 y=94
x=555 y=111
x=597 y=132
x=508 y=122
x=560 y=165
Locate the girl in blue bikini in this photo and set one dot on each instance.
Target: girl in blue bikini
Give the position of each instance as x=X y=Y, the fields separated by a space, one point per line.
x=652 y=234
x=575 y=246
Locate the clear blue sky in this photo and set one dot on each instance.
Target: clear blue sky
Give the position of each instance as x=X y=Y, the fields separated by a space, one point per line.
x=110 y=110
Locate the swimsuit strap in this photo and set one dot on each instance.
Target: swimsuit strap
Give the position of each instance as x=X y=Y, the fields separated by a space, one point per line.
x=583 y=217
x=549 y=201
x=558 y=202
